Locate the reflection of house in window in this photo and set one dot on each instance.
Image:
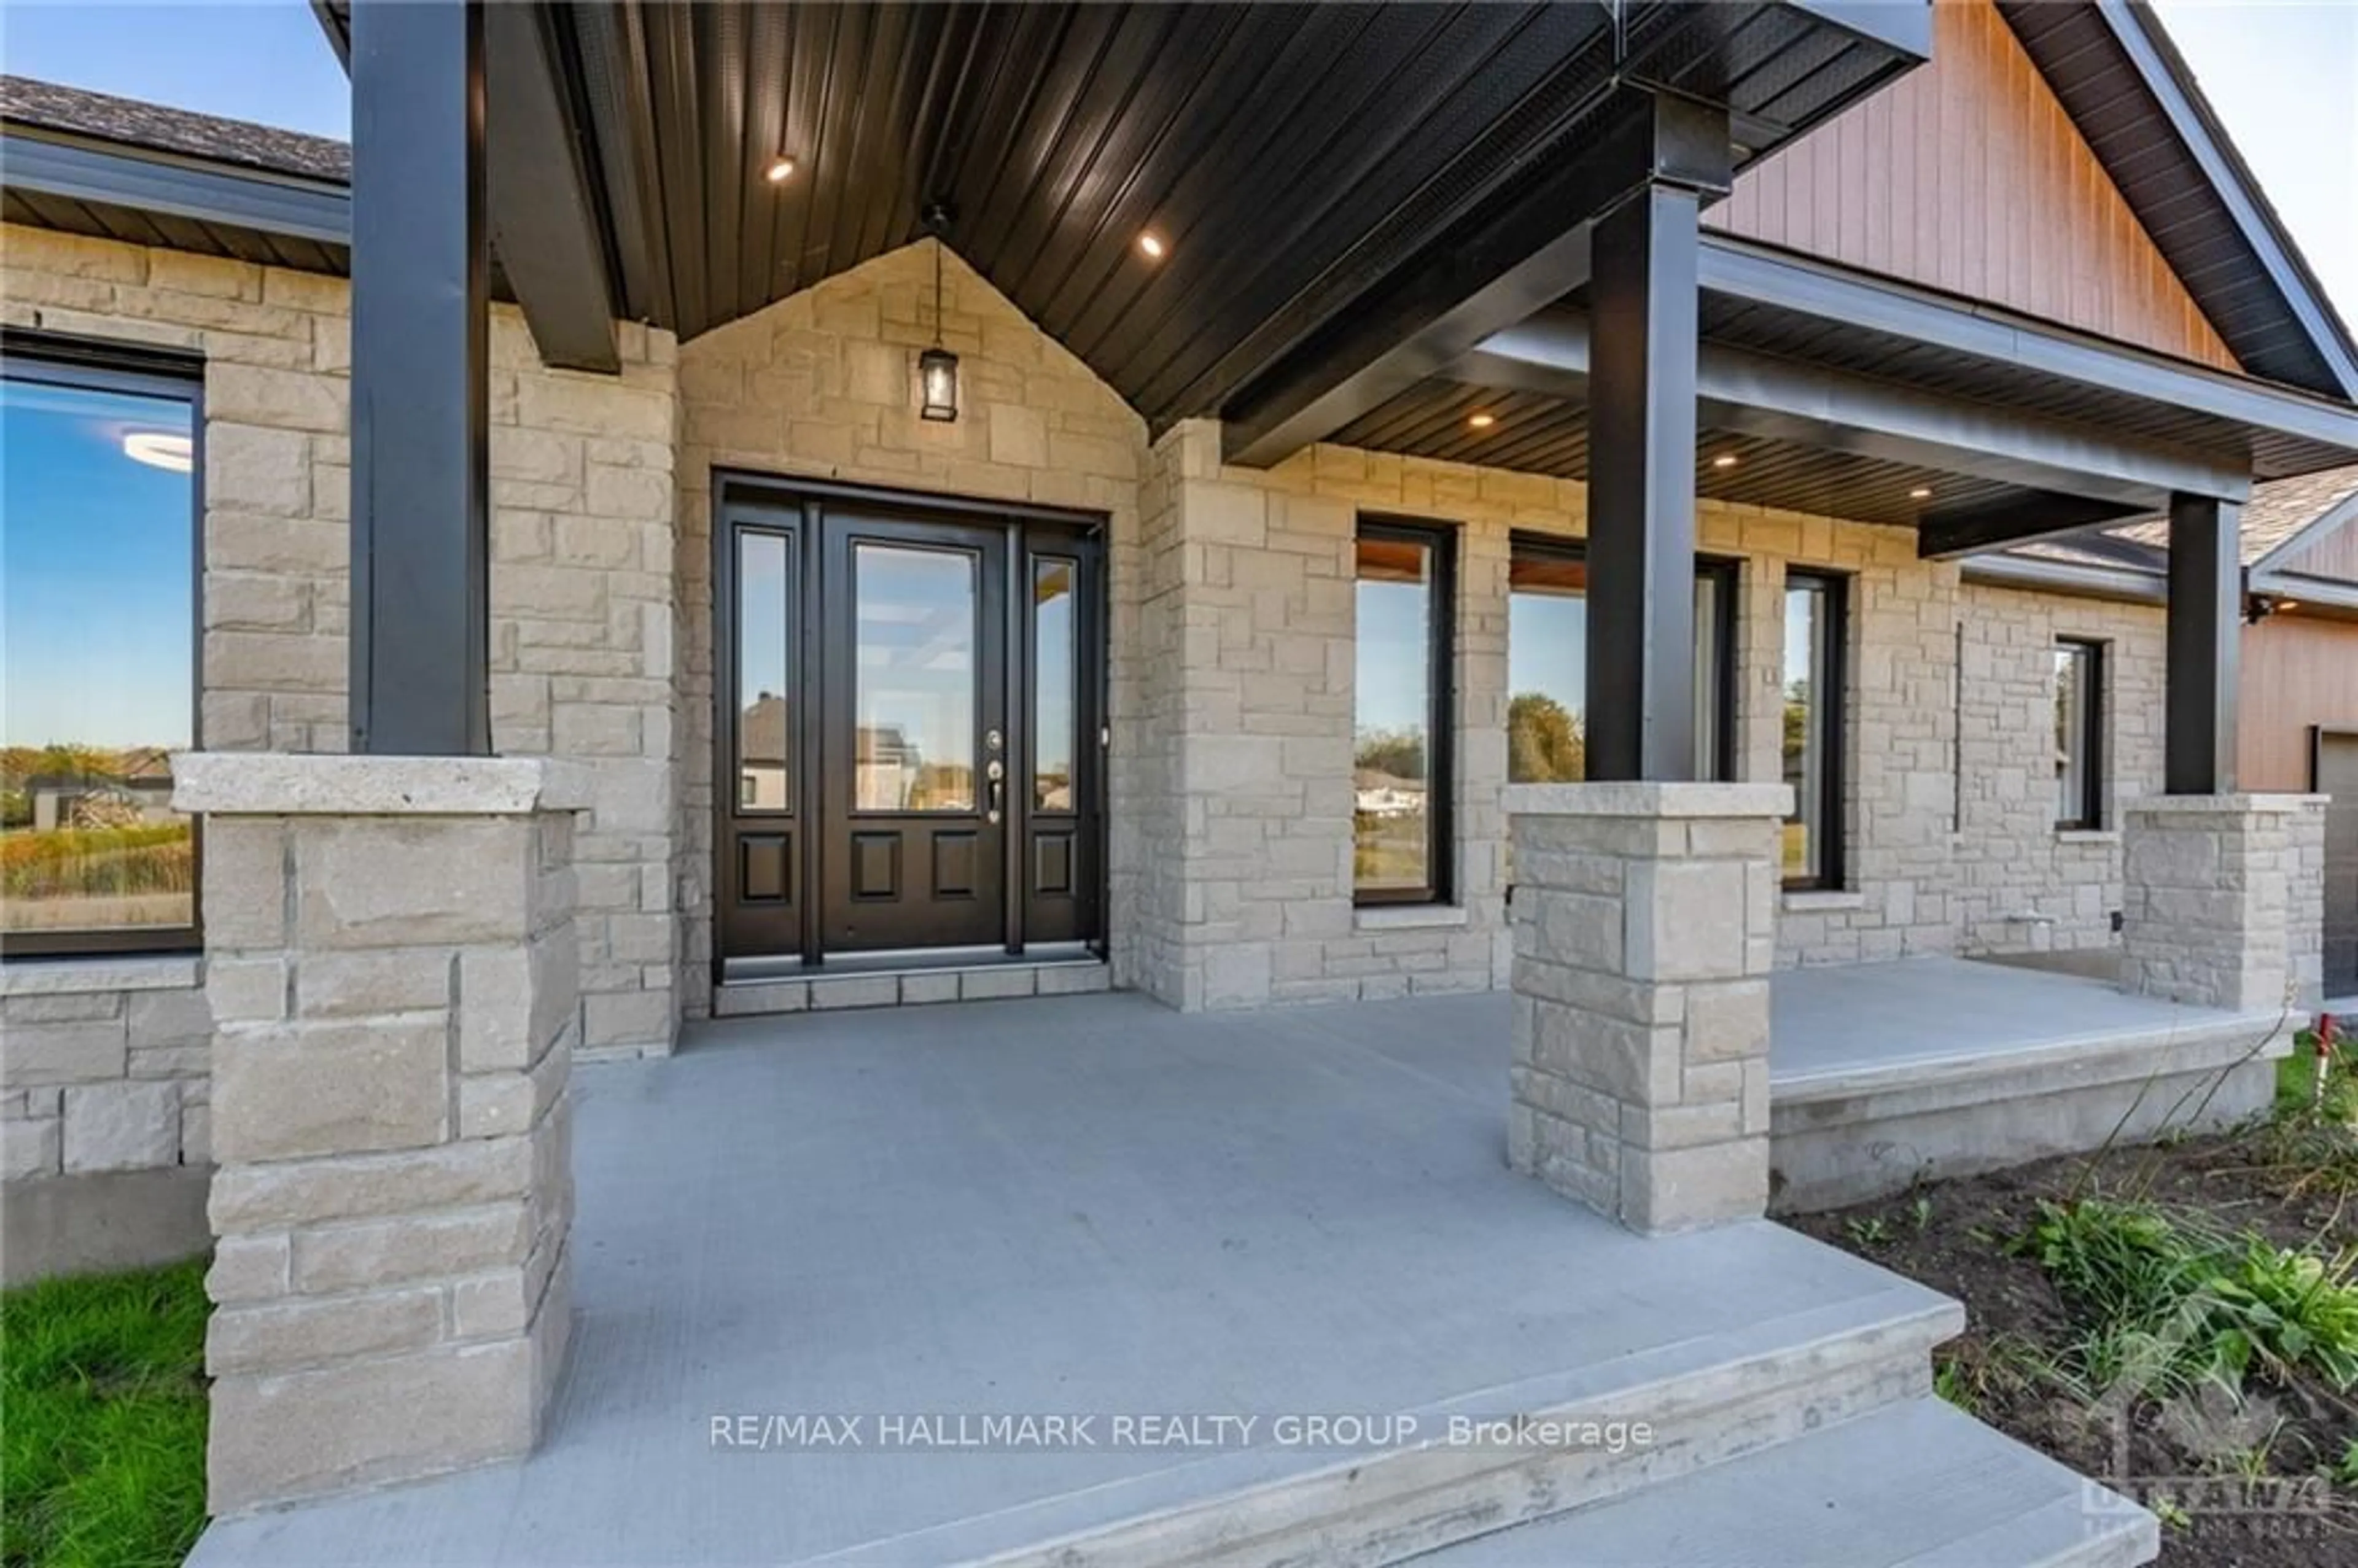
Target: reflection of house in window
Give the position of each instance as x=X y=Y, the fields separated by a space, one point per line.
x=884 y=769
x=762 y=755
x=1381 y=794
x=891 y=773
x=139 y=791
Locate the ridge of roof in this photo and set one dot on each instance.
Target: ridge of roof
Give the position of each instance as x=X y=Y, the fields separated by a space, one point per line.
x=77 y=111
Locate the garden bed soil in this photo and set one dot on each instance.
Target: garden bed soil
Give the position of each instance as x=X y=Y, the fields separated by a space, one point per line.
x=1954 y=1237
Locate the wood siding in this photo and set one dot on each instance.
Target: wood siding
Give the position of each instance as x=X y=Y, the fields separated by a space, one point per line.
x=2298 y=670
x=1968 y=176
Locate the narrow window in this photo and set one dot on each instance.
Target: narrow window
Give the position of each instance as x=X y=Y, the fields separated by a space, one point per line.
x=1401 y=734
x=1054 y=691
x=765 y=719
x=98 y=586
x=2078 y=734
x=1812 y=747
x=1547 y=663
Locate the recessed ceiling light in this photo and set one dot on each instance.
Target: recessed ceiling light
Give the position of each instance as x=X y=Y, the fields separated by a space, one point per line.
x=781 y=170
x=1725 y=461
x=1921 y=492
x=1481 y=421
x=1152 y=246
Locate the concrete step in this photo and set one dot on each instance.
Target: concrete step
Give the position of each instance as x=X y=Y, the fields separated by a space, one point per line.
x=1918 y=1483
x=1705 y=1402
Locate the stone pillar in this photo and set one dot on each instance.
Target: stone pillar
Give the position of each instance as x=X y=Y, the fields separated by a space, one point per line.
x=2218 y=890
x=1644 y=918
x=391 y=962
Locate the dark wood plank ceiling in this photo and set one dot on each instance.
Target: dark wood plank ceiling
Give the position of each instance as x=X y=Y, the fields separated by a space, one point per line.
x=1535 y=433
x=1287 y=154
x=1846 y=346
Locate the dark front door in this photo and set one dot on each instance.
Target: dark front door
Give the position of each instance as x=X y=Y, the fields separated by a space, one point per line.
x=914 y=735
x=910 y=734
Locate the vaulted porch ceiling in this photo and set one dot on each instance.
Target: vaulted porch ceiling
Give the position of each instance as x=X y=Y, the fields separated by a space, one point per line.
x=1293 y=159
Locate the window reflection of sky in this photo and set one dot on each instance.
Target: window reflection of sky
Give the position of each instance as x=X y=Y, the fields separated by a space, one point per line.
x=96 y=556
x=915 y=677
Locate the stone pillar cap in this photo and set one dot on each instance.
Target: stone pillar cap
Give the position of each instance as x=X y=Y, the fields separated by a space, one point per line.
x=1618 y=798
x=283 y=784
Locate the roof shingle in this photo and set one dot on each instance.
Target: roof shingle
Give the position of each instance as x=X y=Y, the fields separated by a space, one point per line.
x=50 y=106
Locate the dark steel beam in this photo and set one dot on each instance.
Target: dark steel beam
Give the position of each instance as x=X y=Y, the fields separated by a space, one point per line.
x=1641 y=490
x=1741 y=270
x=544 y=217
x=2203 y=635
x=1477 y=280
x=420 y=579
x=1758 y=395
x=2018 y=520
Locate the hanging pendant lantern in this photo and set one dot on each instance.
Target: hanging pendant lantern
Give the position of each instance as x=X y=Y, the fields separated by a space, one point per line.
x=938 y=376
x=937 y=368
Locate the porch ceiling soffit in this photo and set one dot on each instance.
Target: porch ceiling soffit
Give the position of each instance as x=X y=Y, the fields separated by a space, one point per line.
x=1297 y=161
x=146 y=196
x=1752 y=394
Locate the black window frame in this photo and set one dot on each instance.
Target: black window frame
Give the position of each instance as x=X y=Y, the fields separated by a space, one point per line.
x=1439 y=539
x=2090 y=817
x=1725 y=573
x=97 y=365
x=1829 y=704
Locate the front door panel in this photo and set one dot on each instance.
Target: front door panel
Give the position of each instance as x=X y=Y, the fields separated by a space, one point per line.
x=914 y=747
x=908 y=734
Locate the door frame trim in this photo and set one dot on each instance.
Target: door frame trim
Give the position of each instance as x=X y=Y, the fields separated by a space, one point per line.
x=2318 y=736
x=731 y=486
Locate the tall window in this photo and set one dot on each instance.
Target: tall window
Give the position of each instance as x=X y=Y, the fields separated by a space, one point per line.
x=1399 y=772
x=2078 y=734
x=1547 y=663
x=97 y=685
x=1813 y=706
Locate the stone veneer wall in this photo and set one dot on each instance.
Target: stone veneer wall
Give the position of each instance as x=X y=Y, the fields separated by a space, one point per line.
x=1258 y=667
x=1232 y=691
x=583 y=638
x=2021 y=883
x=106 y=1062
x=823 y=385
x=1249 y=665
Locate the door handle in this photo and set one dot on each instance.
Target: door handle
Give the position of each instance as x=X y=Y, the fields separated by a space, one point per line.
x=991 y=815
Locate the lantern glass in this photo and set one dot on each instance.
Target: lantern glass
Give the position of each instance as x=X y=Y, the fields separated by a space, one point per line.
x=937 y=373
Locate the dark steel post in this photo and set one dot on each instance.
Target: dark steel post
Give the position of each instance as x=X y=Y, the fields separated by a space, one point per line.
x=1641 y=488
x=2205 y=636
x=420 y=580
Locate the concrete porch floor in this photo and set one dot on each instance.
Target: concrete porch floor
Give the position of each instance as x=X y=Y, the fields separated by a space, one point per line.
x=1916 y=1013
x=1086 y=1204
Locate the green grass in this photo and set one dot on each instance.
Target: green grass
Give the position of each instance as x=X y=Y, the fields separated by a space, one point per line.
x=102 y=1419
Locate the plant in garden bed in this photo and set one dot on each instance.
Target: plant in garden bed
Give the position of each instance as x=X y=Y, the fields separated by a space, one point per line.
x=2176 y=1302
